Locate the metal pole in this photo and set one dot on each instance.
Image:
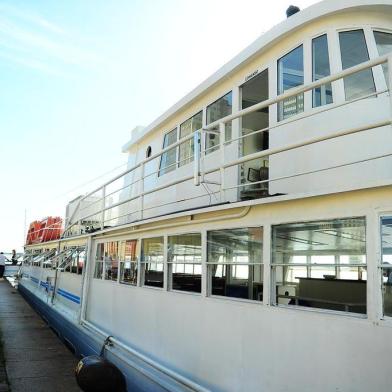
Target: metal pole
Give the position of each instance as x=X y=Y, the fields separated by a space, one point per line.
x=389 y=63
x=196 y=161
x=222 y=129
x=103 y=205
x=141 y=190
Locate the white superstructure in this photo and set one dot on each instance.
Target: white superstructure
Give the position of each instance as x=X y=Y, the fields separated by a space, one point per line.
x=248 y=244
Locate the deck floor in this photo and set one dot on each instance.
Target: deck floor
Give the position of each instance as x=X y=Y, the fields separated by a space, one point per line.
x=35 y=359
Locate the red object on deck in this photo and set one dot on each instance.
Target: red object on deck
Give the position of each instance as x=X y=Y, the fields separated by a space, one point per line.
x=47 y=229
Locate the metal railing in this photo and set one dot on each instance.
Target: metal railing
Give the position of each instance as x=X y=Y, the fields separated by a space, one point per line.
x=93 y=213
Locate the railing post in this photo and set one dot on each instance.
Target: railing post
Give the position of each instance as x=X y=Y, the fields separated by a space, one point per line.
x=141 y=190
x=196 y=161
x=222 y=131
x=103 y=205
x=389 y=63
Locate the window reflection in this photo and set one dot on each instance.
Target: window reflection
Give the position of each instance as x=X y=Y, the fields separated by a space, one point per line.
x=354 y=51
x=384 y=46
x=152 y=261
x=234 y=259
x=386 y=242
x=186 y=128
x=320 y=68
x=128 y=262
x=169 y=158
x=184 y=258
x=217 y=110
x=290 y=75
x=321 y=264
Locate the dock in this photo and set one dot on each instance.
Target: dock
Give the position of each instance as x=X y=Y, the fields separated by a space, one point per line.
x=33 y=358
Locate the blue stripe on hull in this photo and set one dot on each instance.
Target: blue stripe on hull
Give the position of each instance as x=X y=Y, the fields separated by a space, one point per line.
x=85 y=345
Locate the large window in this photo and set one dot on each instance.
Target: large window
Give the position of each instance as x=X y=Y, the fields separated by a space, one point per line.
x=152 y=261
x=320 y=69
x=234 y=260
x=78 y=258
x=106 y=262
x=386 y=244
x=186 y=128
x=290 y=75
x=169 y=158
x=217 y=110
x=384 y=46
x=184 y=258
x=354 y=51
x=321 y=264
x=128 y=262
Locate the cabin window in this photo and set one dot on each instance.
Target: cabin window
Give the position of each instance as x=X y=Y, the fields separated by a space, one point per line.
x=186 y=128
x=252 y=92
x=169 y=158
x=217 y=110
x=128 y=262
x=320 y=69
x=386 y=244
x=106 y=262
x=152 y=261
x=384 y=46
x=98 y=270
x=235 y=264
x=184 y=258
x=77 y=261
x=290 y=75
x=354 y=51
x=321 y=264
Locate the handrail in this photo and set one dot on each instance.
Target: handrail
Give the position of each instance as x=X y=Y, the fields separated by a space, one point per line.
x=223 y=164
x=301 y=89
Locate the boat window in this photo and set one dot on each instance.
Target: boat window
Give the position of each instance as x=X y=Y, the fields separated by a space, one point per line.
x=290 y=75
x=106 y=263
x=252 y=92
x=384 y=46
x=386 y=244
x=76 y=261
x=186 y=128
x=184 y=258
x=321 y=264
x=320 y=69
x=152 y=261
x=217 y=110
x=354 y=51
x=99 y=261
x=128 y=262
x=234 y=260
x=169 y=158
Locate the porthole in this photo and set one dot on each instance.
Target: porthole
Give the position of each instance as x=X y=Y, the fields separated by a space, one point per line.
x=148 y=152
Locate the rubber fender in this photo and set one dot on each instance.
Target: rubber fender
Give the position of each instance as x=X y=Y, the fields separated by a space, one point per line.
x=97 y=374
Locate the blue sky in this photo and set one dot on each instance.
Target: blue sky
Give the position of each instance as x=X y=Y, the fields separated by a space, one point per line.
x=76 y=76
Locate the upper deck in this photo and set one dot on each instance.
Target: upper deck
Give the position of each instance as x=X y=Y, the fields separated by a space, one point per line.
x=305 y=110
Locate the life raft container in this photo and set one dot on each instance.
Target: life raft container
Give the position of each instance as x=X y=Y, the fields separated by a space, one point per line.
x=47 y=229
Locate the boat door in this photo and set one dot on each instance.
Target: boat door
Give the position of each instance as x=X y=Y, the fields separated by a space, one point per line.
x=253 y=91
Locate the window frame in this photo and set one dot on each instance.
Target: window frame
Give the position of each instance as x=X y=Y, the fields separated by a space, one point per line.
x=175 y=164
x=169 y=269
x=208 y=276
x=142 y=264
x=369 y=284
x=210 y=150
x=136 y=262
x=188 y=159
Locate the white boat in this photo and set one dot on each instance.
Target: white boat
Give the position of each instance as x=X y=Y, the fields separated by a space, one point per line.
x=261 y=260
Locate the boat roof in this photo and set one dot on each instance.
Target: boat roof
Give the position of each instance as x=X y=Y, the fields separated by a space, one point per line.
x=265 y=41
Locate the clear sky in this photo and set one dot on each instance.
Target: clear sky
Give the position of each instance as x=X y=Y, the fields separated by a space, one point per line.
x=77 y=75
